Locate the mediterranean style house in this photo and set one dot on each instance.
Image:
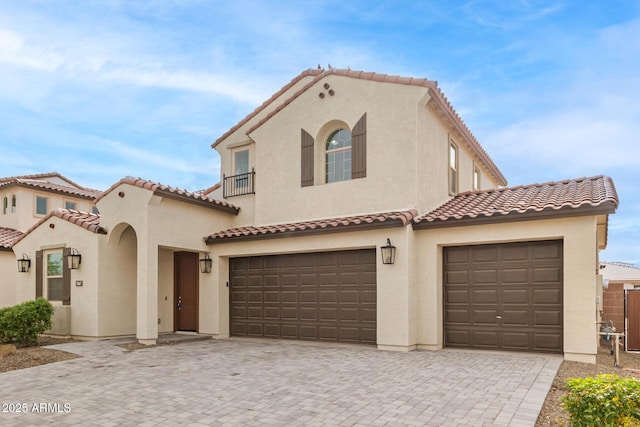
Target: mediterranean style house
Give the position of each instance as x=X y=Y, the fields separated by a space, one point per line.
x=353 y=207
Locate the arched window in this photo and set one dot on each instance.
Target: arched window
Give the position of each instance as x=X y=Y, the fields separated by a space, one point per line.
x=13 y=204
x=5 y=205
x=338 y=156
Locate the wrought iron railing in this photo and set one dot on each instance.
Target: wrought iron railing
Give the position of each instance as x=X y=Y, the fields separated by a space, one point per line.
x=237 y=185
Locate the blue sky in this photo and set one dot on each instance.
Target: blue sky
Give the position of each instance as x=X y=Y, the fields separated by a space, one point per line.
x=98 y=90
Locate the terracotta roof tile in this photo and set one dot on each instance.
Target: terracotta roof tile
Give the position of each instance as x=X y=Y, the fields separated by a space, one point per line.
x=352 y=223
x=198 y=198
x=210 y=190
x=571 y=197
x=87 y=220
x=7 y=237
x=85 y=193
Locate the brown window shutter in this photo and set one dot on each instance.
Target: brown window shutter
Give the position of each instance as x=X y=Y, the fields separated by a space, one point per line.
x=66 y=277
x=38 y=274
x=359 y=149
x=307 y=158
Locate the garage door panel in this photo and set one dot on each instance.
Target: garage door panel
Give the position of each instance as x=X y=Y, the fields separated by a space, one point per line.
x=516 y=296
x=316 y=296
x=485 y=276
x=484 y=317
x=512 y=301
x=547 y=296
x=514 y=276
x=547 y=274
x=485 y=296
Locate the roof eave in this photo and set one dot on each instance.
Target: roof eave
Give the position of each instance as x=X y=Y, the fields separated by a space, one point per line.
x=203 y=203
x=566 y=212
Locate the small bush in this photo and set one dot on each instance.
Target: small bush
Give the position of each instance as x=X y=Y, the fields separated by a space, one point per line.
x=23 y=322
x=606 y=400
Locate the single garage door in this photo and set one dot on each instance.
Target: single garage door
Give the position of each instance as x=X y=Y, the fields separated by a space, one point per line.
x=504 y=296
x=327 y=296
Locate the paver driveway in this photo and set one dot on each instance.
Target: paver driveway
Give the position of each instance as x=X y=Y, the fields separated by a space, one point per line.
x=253 y=382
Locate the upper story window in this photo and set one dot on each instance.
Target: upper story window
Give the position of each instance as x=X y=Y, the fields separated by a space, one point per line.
x=338 y=156
x=41 y=205
x=14 y=204
x=70 y=205
x=5 y=205
x=453 y=169
x=243 y=180
x=342 y=155
x=476 y=178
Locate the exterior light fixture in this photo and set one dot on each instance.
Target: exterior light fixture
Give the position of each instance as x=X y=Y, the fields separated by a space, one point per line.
x=205 y=264
x=388 y=253
x=24 y=264
x=74 y=259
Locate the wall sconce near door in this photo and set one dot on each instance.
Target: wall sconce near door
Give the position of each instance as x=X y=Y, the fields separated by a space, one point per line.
x=24 y=264
x=388 y=253
x=74 y=259
x=205 y=264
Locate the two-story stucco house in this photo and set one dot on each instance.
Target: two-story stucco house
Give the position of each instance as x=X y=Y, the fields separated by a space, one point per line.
x=353 y=207
x=25 y=200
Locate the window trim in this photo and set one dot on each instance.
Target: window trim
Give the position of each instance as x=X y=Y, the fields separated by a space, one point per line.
x=452 y=169
x=46 y=277
x=14 y=204
x=476 y=178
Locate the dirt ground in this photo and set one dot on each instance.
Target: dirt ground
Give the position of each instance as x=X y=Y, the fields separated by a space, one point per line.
x=553 y=414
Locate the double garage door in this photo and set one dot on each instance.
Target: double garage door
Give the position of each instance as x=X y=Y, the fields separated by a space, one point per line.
x=504 y=296
x=327 y=296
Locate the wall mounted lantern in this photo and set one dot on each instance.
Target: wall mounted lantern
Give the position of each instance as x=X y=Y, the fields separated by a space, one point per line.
x=74 y=259
x=205 y=264
x=388 y=253
x=24 y=264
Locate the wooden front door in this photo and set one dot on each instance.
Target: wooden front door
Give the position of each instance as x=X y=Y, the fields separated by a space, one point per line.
x=186 y=291
x=633 y=319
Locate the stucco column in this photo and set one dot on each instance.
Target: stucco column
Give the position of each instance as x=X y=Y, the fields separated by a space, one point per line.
x=147 y=294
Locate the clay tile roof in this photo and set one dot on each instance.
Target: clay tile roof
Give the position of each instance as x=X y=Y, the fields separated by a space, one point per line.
x=39 y=181
x=197 y=198
x=7 y=237
x=582 y=196
x=210 y=190
x=352 y=223
x=87 y=220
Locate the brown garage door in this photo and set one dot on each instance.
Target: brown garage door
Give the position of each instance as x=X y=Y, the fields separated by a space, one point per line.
x=328 y=296
x=504 y=296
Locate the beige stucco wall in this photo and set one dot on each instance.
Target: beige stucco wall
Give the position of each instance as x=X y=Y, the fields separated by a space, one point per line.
x=8 y=273
x=25 y=216
x=83 y=313
x=579 y=293
x=162 y=226
x=407 y=155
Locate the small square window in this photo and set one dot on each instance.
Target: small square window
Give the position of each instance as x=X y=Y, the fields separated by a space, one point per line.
x=41 y=205
x=70 y=205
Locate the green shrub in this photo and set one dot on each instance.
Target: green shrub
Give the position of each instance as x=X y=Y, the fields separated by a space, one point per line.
x=606 y=400
x=23 y=322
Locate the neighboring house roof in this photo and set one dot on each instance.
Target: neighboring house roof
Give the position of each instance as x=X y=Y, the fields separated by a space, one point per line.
x=620 y=271
x=210 y=189
x=39 y=184
x=196 y=198
x=87 y=220
x=40 y=176
x=582 y=196
x=7 y=237
x=438 y=100
x=333 y=225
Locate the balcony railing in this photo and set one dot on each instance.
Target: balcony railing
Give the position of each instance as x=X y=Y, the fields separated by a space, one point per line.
x=237 y=185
